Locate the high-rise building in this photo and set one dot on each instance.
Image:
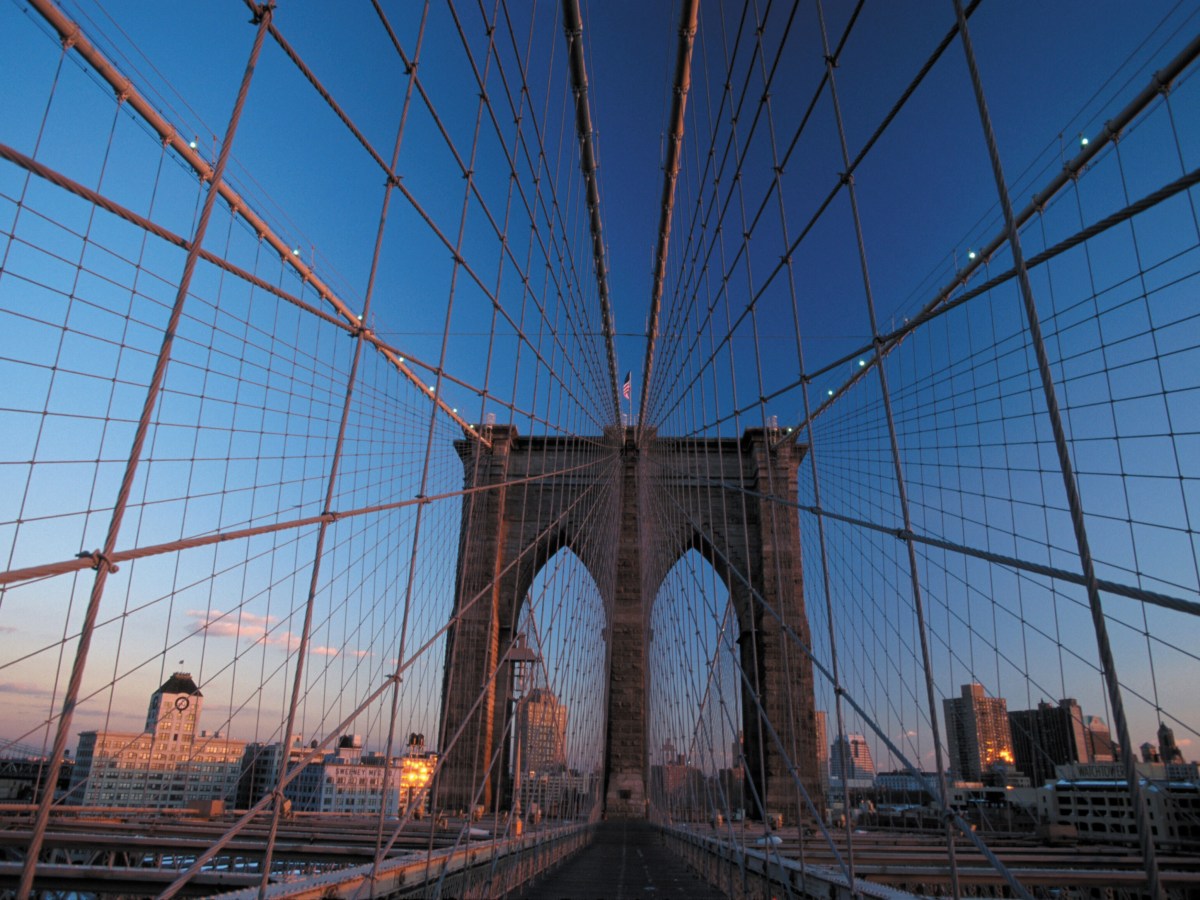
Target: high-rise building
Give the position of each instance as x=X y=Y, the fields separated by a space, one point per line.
x=262 y=765
x=1046 y=737
x=166 y=765
x=822 y=749
x=850 y=757
x=977 y=732
x=1099 y=740
x=1168 y=750
x=541 y=732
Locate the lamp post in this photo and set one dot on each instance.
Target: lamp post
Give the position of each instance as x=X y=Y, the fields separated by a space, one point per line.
x=522 y=658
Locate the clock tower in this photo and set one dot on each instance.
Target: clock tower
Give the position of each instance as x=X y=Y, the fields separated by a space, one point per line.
x=175 y=709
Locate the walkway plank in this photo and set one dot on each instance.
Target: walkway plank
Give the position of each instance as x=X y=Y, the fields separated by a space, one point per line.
x=626 y=861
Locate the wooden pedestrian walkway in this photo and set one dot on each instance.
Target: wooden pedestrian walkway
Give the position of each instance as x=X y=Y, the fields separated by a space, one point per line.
x=626 y=861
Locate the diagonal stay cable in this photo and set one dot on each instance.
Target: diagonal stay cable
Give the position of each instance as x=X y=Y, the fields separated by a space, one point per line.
x=70 y=32
x=948 y=814
x=421 y=210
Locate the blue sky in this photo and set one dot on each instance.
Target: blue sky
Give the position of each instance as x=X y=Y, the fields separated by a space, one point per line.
x=264 y=390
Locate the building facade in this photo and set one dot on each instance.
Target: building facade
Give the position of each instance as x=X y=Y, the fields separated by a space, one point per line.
x=1046 y=737
x=1094 y=801
x=542 y=732
x=170 y=764
x=850 y=757
x=1101 y=748
x=819 y=723
x=977 y=732
x=261 y=767
x=348 y=780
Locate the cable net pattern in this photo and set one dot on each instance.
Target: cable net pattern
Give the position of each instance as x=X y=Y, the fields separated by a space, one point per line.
x=292 y=340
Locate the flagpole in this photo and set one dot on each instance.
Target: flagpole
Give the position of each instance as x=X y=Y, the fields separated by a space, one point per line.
x=627 y=390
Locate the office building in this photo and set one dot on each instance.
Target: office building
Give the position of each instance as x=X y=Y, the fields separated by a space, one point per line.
x=1093 y=800
x=347 y=780
x=977 y=732
x=1168 y=750
x=1099 y=740
x=541 y=732
x=822 y=749
x=850 y=757
x=168 y=764
x=1046 y=737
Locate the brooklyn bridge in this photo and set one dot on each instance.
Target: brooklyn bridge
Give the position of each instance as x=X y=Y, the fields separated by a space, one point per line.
x=563 y=449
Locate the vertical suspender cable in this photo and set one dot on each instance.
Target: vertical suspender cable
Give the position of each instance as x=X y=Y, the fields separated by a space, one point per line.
x=901 y=487
x=375 y=258
x=103 y=567
x=1107 y=662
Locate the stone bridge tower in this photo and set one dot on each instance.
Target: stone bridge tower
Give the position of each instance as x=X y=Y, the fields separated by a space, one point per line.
x=531 y=496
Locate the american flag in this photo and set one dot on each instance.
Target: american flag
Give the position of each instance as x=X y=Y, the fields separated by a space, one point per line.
x=627 y=390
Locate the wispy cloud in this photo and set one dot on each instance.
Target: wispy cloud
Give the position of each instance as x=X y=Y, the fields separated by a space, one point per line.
x=24 y=688
x=255 y=629
x=246 y=626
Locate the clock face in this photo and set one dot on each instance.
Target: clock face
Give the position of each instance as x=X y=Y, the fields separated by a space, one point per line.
x=182 y=703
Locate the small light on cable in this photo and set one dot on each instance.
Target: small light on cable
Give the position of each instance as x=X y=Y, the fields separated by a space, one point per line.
x=861 y=363
x=1083 y=141
x=296 y=251
x=192 y=143
x=970 y=254
x=830 y=393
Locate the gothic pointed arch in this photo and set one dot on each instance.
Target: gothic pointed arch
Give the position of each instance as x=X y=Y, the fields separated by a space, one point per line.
x=530 y=497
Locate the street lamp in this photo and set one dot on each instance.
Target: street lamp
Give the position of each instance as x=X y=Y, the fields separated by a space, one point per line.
x=523 y=658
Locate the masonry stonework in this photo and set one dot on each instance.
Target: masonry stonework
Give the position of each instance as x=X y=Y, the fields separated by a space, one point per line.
x=629 y=510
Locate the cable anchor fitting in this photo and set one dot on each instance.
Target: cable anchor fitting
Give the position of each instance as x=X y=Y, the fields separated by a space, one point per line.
x=98 y=559
x=261 y=10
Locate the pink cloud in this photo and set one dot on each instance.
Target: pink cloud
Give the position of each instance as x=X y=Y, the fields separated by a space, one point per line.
x=246 y=625
x=25 y=688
